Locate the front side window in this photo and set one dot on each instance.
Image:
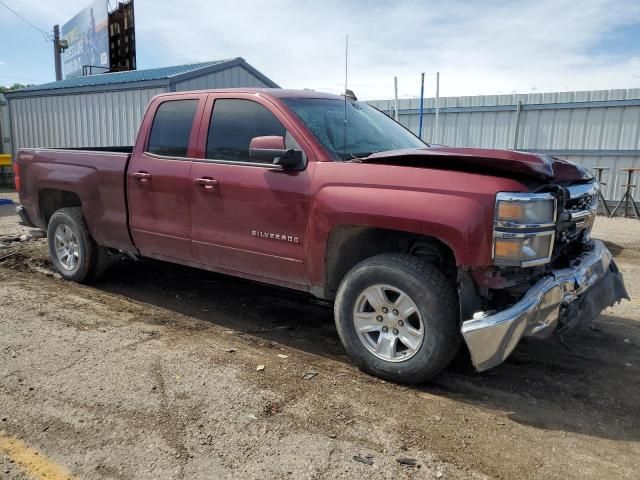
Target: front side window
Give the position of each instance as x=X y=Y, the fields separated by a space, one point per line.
x=234 y=123
x=171 y=128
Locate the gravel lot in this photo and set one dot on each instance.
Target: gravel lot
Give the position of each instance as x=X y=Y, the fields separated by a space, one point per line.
x=153 y=373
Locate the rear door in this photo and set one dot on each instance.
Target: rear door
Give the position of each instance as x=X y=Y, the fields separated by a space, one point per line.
x=158 y=183
x=248 y=217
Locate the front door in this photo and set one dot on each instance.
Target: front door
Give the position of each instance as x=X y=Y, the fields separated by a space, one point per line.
x=158 y=183
x=247 y=217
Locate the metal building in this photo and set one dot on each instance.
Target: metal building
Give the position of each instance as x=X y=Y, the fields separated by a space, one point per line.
x=591 y=128
x=5 y=138
x=5 y=144
x=106 y=110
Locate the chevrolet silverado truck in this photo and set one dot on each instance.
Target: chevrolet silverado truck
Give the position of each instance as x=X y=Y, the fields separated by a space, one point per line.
x=419 y=248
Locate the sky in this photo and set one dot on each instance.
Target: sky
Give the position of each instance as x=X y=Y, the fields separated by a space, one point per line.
x=479 y=47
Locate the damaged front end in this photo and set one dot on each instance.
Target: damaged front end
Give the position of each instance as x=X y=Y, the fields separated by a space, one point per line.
x=563 y=290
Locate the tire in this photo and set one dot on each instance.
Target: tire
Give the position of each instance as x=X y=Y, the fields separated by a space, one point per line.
x=91 y=260
x=435 y=300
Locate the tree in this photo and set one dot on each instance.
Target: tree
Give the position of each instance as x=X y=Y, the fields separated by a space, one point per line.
x=15 y=86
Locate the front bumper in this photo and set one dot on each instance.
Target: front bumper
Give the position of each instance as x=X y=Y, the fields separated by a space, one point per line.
x=564 y=300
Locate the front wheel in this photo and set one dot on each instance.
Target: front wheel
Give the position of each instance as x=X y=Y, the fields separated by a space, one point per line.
x=72 y=250
x=397 y=317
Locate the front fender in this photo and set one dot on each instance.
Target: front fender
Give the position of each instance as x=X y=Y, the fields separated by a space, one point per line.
x=462 y=221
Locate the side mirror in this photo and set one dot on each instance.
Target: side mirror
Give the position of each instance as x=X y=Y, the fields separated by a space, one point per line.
x=272 y=149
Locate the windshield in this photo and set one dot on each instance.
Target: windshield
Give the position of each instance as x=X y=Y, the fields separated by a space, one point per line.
x=365 y=131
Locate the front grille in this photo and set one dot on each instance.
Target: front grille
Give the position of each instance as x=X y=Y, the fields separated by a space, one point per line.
x=575 y=217
x=585 y=202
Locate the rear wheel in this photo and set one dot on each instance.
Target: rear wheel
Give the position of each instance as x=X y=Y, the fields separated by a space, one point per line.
x=397 y=317
x=72 y=250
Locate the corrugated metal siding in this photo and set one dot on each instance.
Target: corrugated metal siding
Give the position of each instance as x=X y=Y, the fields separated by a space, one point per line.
x=98 y=119
x=228 y=78
x=5 y=134
x=549 y=121
x=614 y=178
x=102 y=117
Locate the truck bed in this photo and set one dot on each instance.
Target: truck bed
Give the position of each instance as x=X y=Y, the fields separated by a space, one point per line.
x=94 y=177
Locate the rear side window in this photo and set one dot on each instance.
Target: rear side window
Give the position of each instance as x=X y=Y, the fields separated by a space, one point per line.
x=233 y=124
x=171 y=128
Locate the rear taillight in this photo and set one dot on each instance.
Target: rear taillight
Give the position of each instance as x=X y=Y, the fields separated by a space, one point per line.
x=16 y=175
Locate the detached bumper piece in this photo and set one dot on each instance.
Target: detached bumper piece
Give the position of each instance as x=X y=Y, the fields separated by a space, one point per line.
x=566 y=300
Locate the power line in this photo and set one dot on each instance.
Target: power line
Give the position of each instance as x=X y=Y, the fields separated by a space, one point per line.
x=47 y=36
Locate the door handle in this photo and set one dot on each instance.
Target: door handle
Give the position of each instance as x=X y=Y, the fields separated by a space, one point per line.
x=207 y=182
x=141 y=176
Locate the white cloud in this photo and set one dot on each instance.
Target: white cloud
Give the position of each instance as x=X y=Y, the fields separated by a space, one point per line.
x=493 y=46
x=479 y=47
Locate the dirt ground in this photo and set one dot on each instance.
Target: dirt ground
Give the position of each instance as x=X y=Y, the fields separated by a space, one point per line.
x=152 y=373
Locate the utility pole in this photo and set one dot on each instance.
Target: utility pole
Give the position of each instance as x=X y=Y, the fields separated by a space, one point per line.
x=59 y=46
x=436 y=134
x=395 y=101
x=517 y=125
x=421 y=106
x=56 y=52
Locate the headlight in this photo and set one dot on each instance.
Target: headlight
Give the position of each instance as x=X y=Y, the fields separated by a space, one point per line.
x=524 y=228
x=525 y=210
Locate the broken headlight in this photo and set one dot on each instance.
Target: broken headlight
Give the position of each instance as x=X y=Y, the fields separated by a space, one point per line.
x=524 y=228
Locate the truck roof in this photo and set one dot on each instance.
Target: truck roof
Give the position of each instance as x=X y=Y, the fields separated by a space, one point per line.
x=267 y=92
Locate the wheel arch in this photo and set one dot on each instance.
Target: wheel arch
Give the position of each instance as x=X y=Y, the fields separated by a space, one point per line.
x=52 y=199
x=348 y=245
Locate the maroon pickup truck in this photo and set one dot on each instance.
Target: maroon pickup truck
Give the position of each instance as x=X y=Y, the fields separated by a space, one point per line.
x=418 y=247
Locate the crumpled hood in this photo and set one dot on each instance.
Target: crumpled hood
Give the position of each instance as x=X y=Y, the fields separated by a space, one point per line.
x=541 y=167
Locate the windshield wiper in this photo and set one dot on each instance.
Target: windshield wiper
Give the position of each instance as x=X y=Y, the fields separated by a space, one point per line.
x=358 y=155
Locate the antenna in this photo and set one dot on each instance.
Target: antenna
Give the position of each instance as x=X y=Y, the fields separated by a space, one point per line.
x=346 y=77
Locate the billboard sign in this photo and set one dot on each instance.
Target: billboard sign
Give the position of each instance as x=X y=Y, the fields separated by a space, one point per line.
x=88 y=36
